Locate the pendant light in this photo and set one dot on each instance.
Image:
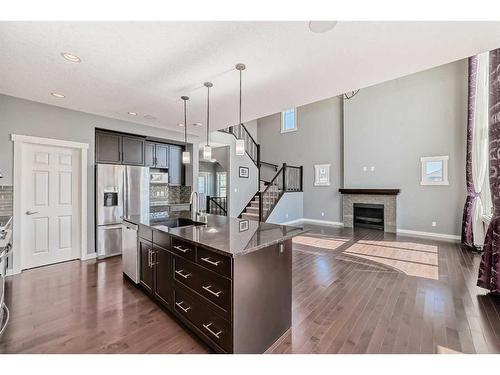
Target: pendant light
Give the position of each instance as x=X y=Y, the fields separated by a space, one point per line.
x=207 y=150
x=186 y=156
x=240 y=143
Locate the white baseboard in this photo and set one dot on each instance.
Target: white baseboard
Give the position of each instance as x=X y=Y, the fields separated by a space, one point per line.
x=313 y=221
x=89 y=256
x=450 y=237
x=408 y=232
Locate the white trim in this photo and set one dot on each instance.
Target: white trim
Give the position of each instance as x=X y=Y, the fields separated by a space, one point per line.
x=407 y=232
x=89 y=256
x=19 y=140
x=324 y=222
x=313 y=221
x=48 y=141
x=417 y=233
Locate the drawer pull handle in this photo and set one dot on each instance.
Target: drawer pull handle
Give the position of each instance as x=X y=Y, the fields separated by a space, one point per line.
x=207 y=259
x=182 y=249
x=208 y=289
x=216 y=334
x=185 y=309
x=179 y=272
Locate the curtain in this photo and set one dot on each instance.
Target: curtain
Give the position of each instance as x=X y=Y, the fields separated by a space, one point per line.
x=467 y=233
x=489 y=268
x=477 y=150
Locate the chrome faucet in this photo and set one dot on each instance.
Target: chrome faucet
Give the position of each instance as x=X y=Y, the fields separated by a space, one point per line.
x=194 y=203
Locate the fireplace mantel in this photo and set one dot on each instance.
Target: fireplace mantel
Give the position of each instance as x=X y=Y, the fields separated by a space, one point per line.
x=370 y=191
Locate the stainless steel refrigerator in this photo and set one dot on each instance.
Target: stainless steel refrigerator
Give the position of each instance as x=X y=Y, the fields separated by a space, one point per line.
x=120 y=191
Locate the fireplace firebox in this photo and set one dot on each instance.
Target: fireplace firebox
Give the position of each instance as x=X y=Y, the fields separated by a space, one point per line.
x=368 y=215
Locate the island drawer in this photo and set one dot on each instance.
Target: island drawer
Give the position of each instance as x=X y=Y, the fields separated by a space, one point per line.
x=214 y=261
x=183 y=249
x=145 y=232
x=211 y=286
x=212 y=325
x=161 y=239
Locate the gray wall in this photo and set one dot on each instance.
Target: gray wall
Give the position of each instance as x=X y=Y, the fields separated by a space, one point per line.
x=391 y=125
x=318 y=140
x=290 y=207
x=241 y=190
x=25 y=117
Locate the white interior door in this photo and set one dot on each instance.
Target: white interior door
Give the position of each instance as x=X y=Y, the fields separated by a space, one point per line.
x=50 y=205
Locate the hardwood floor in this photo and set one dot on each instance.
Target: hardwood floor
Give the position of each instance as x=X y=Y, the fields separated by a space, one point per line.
x=353 y=292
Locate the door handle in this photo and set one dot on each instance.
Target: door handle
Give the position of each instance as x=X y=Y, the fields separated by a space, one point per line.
x=31 y=212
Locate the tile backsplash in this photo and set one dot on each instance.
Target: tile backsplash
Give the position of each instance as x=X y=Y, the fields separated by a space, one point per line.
x=169 y=194
x=6 y=200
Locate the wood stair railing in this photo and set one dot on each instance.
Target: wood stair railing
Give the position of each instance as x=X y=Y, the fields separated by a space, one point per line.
x=287 y=179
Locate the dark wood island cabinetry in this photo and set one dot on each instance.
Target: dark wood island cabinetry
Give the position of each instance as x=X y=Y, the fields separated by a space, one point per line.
x=232 y=288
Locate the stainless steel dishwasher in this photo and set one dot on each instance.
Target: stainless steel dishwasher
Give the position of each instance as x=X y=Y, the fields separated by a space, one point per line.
x=130 y=252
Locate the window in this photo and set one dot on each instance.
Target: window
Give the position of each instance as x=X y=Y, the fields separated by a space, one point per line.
x=434 y=170
x=288 y=121
x=221 y=184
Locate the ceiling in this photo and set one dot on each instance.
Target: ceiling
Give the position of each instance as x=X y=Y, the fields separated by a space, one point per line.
x=145 y=67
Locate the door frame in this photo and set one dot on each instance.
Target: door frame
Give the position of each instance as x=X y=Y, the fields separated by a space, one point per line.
x=82 y=148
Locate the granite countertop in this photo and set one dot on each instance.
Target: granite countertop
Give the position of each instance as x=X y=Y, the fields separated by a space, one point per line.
x=226 y=235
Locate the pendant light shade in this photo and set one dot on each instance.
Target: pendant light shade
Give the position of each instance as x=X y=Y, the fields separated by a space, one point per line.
x=240 y=147
x=207 y=150
x=186 y=156
x=207 y=153
x=240 y=143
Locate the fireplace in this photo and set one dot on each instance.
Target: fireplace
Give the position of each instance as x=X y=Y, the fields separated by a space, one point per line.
x=368 y=215
x=370 y=201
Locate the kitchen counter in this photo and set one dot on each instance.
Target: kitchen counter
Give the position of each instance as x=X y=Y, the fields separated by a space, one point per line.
x=228 y=280
x=225 y=235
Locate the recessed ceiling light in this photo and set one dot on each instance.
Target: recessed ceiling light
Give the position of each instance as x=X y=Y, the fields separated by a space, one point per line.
x=56 y=95
x=320 y=27
x=197 y=124
x=149 y=117
x=179 y=124
x=70 y=57
x=132 y=113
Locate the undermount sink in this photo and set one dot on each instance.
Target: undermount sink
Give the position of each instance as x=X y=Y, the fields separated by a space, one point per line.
x=176 y=223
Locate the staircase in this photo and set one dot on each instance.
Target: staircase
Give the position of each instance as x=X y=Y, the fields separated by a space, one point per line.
x=252 y=210
x=285 y=179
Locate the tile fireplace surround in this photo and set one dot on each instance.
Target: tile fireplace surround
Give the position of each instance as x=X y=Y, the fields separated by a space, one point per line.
x=386 y=197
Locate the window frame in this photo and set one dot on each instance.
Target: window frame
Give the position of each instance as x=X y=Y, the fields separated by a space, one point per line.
x=282 y=128
x=424 y=160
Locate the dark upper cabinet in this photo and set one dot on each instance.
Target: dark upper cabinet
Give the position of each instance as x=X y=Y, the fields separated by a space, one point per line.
x=116 y=148
x=108 y=148
x=162 y=277
x=146 y=267
x=175 y=166
x=156 y=155
x=149 y=154
x=132 y=150
x=161 y=154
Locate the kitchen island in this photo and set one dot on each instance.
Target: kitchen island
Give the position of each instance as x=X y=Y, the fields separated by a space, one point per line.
x=229 y=280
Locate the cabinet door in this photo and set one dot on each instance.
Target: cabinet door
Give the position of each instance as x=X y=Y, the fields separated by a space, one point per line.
x=108 y=148
x=175 y=168
x=161 y=153
x=132 y=150
x=149 y=154
x=146 y=271
x=162 y=275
